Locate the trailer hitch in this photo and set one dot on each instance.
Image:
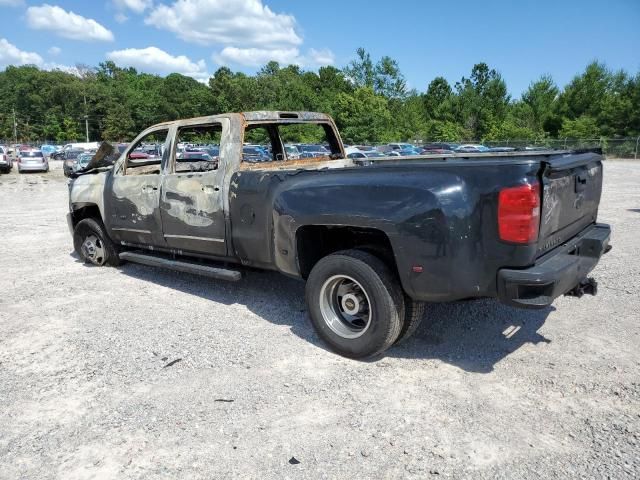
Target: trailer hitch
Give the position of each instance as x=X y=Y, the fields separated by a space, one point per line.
x=586 y=285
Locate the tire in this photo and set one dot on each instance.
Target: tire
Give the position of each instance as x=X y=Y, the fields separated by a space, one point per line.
x=93 y=245
x=356 y=280
x=413 y=315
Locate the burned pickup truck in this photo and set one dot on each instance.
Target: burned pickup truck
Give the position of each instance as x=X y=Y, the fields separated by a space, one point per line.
x=374 y=239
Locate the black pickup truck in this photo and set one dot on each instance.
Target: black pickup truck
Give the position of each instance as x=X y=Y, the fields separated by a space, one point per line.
x=374 y=238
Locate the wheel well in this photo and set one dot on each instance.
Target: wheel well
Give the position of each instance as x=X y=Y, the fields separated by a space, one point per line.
x=314 y=242
x=86 y=211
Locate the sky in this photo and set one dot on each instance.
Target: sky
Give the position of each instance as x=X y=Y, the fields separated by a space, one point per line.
x=521 y=39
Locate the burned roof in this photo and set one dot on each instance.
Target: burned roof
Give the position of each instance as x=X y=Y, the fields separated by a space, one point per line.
x=271 y=115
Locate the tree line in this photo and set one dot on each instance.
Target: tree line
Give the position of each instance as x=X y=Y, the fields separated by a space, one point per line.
x=369 y=100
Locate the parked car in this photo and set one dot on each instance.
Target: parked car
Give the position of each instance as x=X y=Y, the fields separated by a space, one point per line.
x=502 y=149
x=69 y=165
x=83 y=160
x=471 y=148
x=32 y=161
x=122 y=147
x=292 y=152
x=6 y=163
x=405 y=152
x=438 y=147
x=356 y=152
x=313 y=151
x=373 y=241
x=399 y=146
x=48 y=150
x=213 y=151
x=254 y=154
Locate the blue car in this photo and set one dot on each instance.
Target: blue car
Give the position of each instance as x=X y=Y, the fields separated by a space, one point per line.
x=48 y=150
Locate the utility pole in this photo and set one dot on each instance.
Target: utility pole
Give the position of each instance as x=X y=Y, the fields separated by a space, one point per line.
x=15 y=127
x=86 y=118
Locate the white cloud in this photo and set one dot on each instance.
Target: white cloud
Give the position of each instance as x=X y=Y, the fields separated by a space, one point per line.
x=321 y=57
x=54 y=51
x=63 y=68
x=11 y=3
x=121 y=17
x=66 y=24
x=12 y=55
x=254 y=57
x=137 y=6
x=237 y=23
x=154 y=60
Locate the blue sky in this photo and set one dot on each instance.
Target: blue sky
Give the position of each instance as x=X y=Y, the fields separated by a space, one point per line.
x=521 y=39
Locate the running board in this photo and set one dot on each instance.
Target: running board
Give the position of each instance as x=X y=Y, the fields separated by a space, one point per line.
x=204 y=270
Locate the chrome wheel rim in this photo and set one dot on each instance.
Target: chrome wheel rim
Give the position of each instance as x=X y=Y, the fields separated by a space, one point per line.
x=345 y=306
x=93 y=250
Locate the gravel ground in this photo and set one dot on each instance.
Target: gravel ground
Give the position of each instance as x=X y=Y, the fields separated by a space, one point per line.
x=135 y=372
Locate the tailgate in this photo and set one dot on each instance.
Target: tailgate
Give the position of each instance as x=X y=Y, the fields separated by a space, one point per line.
x=572 y=184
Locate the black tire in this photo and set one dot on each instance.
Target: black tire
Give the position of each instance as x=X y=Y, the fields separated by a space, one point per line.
x=413 y=315
x=108 y=251
x=376 y=283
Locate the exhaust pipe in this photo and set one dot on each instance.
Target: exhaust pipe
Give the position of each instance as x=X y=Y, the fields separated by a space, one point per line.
x=586 y=286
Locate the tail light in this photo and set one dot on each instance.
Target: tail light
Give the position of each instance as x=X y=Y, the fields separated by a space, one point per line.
x=519 y=213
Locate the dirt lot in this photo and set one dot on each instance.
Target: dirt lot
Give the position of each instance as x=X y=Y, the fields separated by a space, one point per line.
x=89 y=387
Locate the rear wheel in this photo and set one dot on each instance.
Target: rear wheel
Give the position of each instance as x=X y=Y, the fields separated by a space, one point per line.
x=413 y=315
x=93 y=245
x=355 y=303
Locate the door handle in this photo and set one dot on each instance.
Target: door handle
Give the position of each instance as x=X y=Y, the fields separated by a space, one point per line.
x=209 y=189
x=149 y=188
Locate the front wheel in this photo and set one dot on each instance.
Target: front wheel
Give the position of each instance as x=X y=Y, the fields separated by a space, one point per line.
x=355 y=303
x=93 y=245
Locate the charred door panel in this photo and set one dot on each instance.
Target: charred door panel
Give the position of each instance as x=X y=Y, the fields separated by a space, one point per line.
x=192 y=212
x=134 y=214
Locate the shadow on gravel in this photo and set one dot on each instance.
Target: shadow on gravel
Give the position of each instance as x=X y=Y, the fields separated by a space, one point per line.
x=269 y=295
x=472 y=335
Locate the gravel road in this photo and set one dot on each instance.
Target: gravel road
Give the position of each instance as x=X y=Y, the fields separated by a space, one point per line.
x=135 y=372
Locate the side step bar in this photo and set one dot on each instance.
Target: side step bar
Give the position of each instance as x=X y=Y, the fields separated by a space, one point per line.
x=205 y=270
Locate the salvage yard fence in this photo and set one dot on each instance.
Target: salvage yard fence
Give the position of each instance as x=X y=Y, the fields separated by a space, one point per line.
x=611 y=147
x=628 y=147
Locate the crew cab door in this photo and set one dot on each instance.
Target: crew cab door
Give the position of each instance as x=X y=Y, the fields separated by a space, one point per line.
x=192 y=191
x=132 y=193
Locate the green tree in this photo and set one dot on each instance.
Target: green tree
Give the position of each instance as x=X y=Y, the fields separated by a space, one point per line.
x=541 y=98
x=118 y=125
x=69 y=132
x=363 y=116
x=482 y=100
x=582 y=127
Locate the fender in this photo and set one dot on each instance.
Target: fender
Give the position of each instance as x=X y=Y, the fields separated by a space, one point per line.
x=87 y=190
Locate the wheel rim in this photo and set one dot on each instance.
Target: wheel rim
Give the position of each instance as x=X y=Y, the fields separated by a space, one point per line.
x=345 y=306
x=93 y=249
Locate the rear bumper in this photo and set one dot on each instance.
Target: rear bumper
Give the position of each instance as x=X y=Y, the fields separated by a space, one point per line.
x=34 y=167
x=555 y=273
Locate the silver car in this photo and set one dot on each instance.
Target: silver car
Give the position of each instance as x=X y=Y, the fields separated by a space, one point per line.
x=32 y=161
x=6 y=163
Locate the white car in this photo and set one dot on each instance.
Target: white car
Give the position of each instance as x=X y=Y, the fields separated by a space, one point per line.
x=32 y=161
x=354 y=152
x=5 y=160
